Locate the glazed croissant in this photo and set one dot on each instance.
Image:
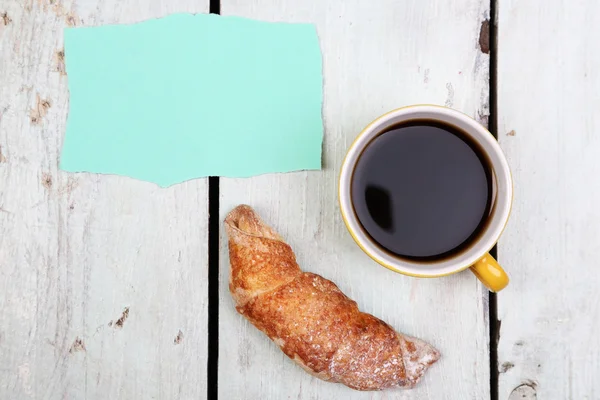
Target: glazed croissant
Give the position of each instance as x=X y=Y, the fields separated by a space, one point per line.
x=310 y=319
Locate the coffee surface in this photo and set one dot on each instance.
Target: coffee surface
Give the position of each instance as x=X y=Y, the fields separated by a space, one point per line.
x=422 y=190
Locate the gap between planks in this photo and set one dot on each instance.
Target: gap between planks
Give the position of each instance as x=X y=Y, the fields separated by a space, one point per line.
x=212 y=380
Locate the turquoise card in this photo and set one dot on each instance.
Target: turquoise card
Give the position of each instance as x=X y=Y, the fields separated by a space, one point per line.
x=190 y=96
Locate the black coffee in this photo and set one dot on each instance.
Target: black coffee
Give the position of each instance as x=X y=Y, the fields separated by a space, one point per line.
x=422 y=190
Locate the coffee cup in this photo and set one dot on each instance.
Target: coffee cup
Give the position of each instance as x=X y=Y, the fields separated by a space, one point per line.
x=426 y=191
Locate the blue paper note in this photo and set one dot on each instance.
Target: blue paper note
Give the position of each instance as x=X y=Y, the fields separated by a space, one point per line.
x=188 y=96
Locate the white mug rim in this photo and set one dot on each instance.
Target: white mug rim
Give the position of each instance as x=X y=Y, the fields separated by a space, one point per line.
x=502 y=203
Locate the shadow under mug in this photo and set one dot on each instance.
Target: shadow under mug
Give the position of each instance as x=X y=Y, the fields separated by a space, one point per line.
x=476 y=256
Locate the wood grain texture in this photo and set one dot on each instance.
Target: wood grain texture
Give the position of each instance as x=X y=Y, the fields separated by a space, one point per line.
x=378 y=55
x=548 y=102
x=103 y=279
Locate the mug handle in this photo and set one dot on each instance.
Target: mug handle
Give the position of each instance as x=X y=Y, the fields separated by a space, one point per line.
x=490 y=273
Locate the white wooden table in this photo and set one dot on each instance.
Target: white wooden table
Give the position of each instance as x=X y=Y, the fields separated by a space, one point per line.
x=104 y=280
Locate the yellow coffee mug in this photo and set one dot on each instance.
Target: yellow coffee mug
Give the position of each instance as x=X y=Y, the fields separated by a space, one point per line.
x=476 y=256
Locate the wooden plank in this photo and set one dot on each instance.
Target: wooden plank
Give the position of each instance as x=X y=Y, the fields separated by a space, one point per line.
x=548 y=105
x=103 y=279
x=378 y=55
